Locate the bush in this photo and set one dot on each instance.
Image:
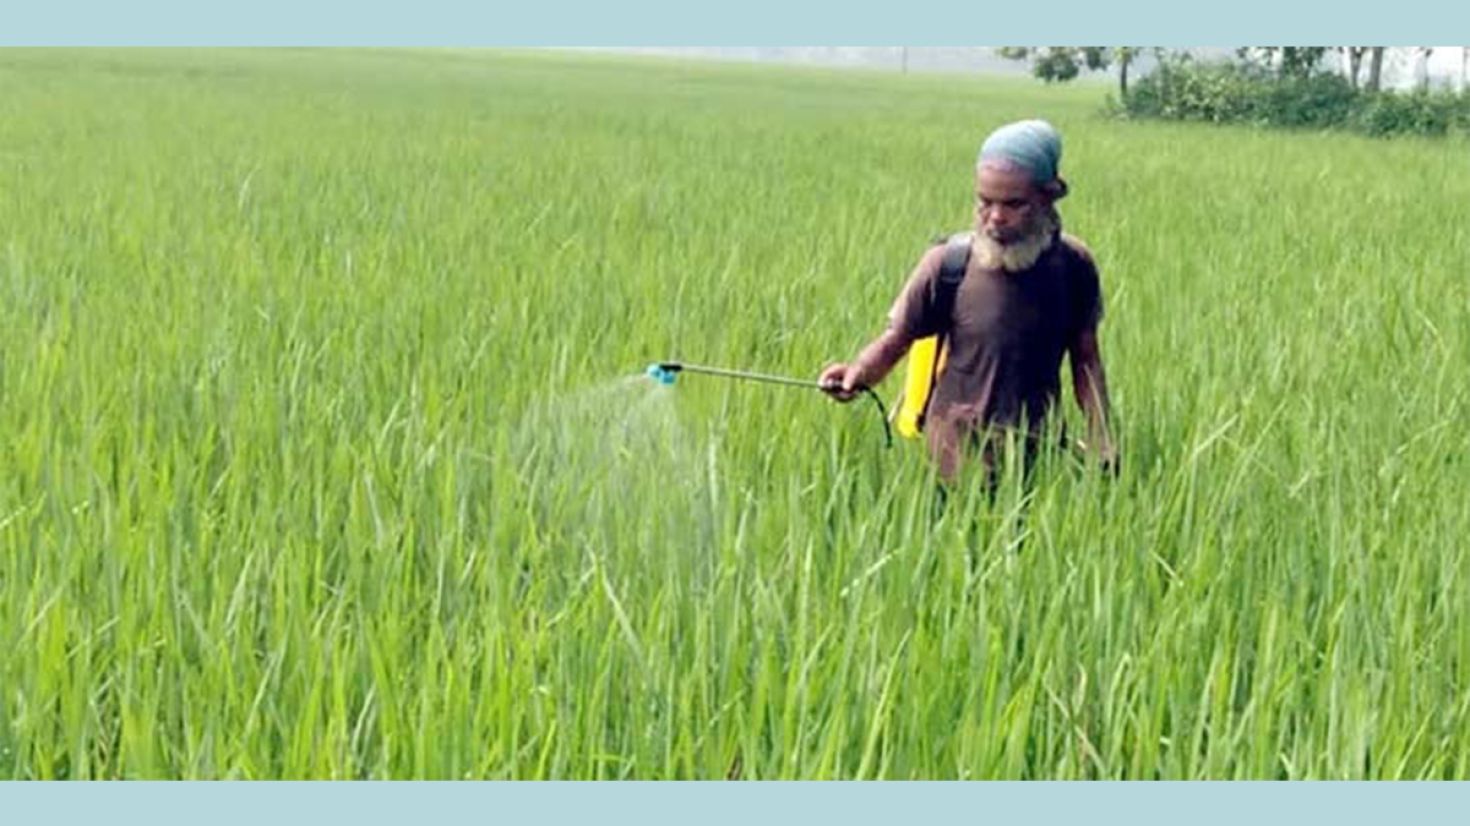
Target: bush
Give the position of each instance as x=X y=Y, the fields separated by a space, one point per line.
x=1419 y=113
x=1246 y=93
x=1217 y=93
x=1316 y=101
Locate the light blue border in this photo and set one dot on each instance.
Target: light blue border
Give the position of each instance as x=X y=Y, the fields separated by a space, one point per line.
x=743 y=23
x=737 y=804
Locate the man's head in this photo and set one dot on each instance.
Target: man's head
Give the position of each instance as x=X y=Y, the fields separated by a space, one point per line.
x=1016 y=188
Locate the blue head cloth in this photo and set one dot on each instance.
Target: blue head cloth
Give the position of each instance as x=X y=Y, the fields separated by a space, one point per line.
x=1033 y=145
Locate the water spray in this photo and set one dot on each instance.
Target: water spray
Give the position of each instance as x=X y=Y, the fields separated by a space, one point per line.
x=665 y=372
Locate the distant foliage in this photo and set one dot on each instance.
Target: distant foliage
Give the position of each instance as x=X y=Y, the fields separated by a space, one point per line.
x=1059 y=64
x=1289 y=92
x=1419 y=112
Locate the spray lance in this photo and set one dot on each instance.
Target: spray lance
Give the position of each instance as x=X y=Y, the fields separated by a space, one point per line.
x=664 y=372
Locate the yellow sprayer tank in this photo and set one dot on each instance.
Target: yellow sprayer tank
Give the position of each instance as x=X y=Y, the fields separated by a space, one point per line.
x=925 y=363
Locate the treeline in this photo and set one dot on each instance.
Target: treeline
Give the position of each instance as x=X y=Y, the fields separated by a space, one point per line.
x=1277 y=86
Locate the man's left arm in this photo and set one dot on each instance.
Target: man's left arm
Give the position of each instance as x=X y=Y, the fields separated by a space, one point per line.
x=1090 y=385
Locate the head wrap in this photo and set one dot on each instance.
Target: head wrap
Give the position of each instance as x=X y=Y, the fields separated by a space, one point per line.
x=1034 y=146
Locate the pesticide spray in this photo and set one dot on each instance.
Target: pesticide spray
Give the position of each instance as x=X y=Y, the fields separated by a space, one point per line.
x=580 y=455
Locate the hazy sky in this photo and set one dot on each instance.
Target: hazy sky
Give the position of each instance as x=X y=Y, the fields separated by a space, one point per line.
x=1444 y=64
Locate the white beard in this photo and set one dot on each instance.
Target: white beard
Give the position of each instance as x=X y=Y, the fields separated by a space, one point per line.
x=1017 y=255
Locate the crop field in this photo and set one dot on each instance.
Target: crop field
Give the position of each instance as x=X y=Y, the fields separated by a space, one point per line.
x=326 y=449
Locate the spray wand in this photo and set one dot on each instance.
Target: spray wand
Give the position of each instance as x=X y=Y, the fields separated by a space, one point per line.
x=664 y=372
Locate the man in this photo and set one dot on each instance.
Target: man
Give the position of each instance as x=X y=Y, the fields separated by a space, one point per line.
x=1029 y=295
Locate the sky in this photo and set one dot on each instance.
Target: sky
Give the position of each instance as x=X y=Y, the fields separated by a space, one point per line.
x=1444 y=63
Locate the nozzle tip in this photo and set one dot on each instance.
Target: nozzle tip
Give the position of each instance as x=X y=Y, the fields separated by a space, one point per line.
x=660 y=374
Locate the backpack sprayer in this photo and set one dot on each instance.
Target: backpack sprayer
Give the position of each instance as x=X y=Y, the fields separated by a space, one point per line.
x=664 y=372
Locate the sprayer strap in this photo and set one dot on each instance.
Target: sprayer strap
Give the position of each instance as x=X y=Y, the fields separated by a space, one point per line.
x=951 y=273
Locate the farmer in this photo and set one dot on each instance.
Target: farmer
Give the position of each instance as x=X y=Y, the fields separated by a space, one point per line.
x=1028 y=294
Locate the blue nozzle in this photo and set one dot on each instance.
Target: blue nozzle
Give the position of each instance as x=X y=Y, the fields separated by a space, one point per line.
x=660 y=374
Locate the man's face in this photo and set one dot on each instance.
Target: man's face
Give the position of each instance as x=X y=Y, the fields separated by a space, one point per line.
x=1008 y=205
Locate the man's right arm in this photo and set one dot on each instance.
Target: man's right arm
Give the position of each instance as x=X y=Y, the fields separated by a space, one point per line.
x=872 y=365
x=910 y=318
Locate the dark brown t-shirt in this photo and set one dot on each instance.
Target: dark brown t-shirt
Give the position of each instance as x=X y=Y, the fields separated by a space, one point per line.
x=1007 y=335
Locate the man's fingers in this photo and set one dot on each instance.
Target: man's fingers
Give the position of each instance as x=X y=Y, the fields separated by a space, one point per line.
x=837 y=388
x=834 y=381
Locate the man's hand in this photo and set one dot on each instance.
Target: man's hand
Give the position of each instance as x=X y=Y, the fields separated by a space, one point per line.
x=839 y=382
x=1105 y=453
x=1090 y=384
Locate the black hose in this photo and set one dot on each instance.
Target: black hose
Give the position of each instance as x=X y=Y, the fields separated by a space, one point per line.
x=882 y=415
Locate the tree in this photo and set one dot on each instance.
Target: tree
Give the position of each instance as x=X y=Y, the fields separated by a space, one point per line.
x=1421 y=70
x=1125 y=56
x=1375 y=67
x=1059 y=64
x=1355 y=55
x=1286 y=61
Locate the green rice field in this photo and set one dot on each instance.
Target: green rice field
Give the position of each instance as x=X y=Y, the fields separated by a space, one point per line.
x=326 y=450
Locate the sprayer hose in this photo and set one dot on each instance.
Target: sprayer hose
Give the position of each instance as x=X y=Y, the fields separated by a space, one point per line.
x=882 y=415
